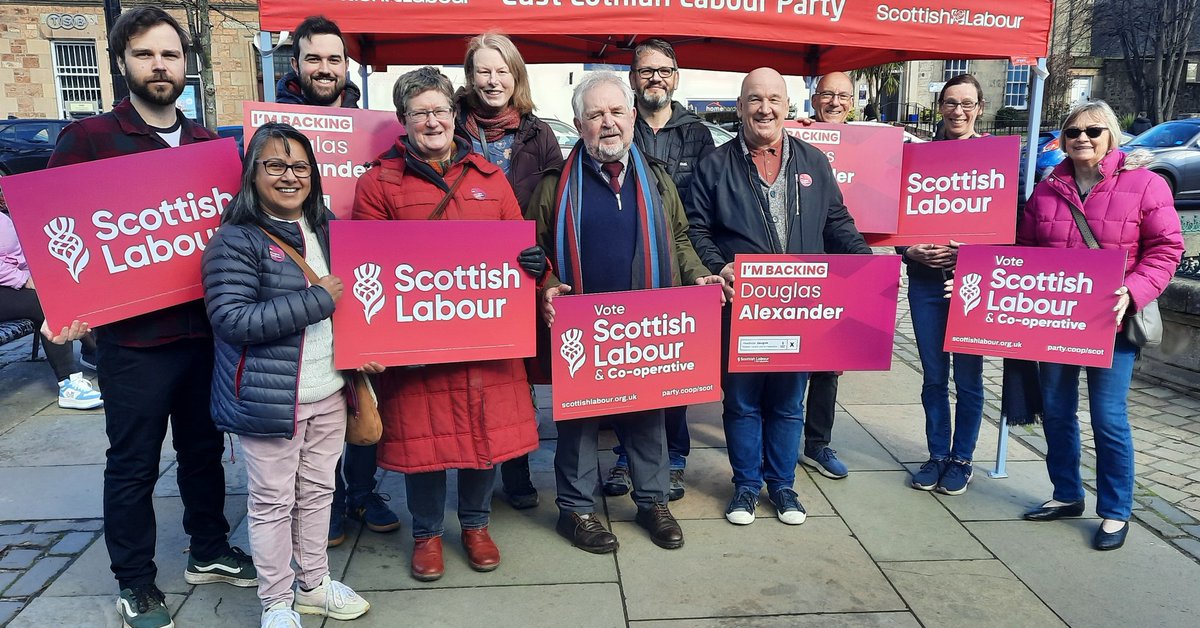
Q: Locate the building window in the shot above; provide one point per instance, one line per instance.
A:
(1192, 72)
(76, 78)
(282, 60)
(953, 68)
(1016, 86)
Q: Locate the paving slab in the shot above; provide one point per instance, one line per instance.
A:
(968, 593)
(901, 430)
(93, 611)
(1004, 499)
(895, 522)
(824, 620)
(709, 489)
(901, 385)
(1145, 583)
(54, 440)
(532, 554)
(29, 387)
(575, 605)
(218, 605)
(727, 571)
(76, 491)
(857, 448)
(90, 574)
(705, 425)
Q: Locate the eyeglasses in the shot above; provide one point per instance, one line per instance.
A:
(665, 72)
(276, 168)
(842, 96)
(441, 113)
(951, 105)
(1092, 132)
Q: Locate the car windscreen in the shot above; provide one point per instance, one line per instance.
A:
(1166, 135)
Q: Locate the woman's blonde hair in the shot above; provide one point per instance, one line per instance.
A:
(1098, 109)
(522, 98)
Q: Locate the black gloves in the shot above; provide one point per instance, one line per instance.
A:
(533, 261)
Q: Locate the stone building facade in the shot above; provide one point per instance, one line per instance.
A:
(54, 59)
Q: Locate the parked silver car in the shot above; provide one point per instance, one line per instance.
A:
(1176, 149)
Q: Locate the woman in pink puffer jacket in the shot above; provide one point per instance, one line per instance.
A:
(1127, 207)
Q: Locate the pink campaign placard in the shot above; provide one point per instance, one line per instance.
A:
(344, 140)
(1034, 303)
(620, 352)
(866, 161)
(963, 190)
(436, 291)
(813, 313)
(111, 239)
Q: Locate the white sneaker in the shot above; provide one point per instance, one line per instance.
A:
(331, 599)
(76, 393)
(280, 615)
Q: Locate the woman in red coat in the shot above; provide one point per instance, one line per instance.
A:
(468, 416)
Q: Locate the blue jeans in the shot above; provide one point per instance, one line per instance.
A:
(929, 309)
(1107, 392)
(679, 441)
(764, 418)
(427, 500)
(358, 467)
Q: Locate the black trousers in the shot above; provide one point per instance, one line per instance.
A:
(143, 389)
(819, 407)
(24, 304)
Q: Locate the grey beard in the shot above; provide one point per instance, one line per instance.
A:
(605, 155)
(652, 103)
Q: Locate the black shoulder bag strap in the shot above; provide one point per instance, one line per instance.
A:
(1086, 231)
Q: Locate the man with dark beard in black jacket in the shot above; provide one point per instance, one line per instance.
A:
(665, 131)
(319, 67)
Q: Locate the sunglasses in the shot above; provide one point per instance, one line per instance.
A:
(1092, 132)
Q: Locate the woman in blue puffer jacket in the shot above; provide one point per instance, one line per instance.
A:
(274, 383)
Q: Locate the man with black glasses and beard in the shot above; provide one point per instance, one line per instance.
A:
(157, 366)
(318, 75)
(666, 131)
(318, 78)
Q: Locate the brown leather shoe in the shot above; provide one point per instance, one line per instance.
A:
(586, 532)
(482, 552)
(664, 530)
(427, 564)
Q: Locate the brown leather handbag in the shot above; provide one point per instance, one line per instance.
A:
(364, 426)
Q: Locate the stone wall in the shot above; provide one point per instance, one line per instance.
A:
(1118, 93)
(1176, 362)
(27, 63)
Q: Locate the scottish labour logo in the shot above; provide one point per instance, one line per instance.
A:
(368, 290)
(66, 246)
(572, 350)
(969, 292)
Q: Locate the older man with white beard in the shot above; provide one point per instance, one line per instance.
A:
(664, 130)
(620, 192)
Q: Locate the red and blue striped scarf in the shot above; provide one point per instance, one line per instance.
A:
(656, 269)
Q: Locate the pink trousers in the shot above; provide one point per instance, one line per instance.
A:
(291, 492)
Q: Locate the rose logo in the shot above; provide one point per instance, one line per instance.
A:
(969, 292)
(959, 16)
(66, 246)
(572, 349)
(368, 290)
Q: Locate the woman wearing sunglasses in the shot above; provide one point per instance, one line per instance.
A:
(1126, 207)
(951, 443)
(274, 383)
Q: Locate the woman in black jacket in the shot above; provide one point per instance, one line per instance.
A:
(274, 383)
(496, 118)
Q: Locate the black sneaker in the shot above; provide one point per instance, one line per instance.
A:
(234, 567)
(144, 606)
(373, 511)
(930, 474)
(676, 491)
(956, 477)
(618, 482)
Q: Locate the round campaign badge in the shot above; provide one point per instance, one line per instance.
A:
(276, 253)
(805, 180)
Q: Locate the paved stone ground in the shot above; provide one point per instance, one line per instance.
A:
(1166, 425)
(872, 553)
